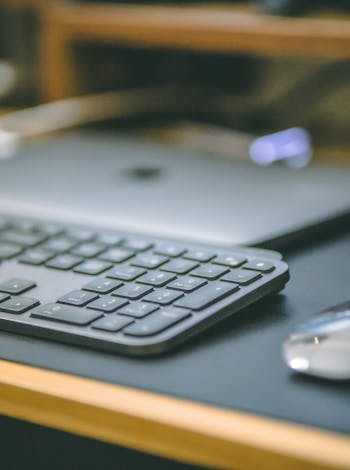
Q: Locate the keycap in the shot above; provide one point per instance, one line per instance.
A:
(88, 250)
(242, 277)
(92, 267)
(16, 286)
(3, 296)
(18, 305)
(163, 296)
(179, 266)
(59, 244)
(116, 255)
(132, 291)
(3, 223)
(210, 271)
(157, 322)
(79, 298)
(51, 229)
(24, 239)
(24, 226)
(125, 272)
(35, 257)
(102, 285)
(109, 239)
(260, 265)
(187, 283)
(138, 309)
(199, 255)
(232, 261)
(107, 304)
(64, 261)
(65, 314)
(111, 323)
(81, 235)
(8, 250)
(207, 295)
(171, 250)
(149, 261)
(156, 278)
(137, 244)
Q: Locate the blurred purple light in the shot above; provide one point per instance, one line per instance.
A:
(291, 146)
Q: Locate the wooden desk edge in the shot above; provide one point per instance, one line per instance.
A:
(166, 426)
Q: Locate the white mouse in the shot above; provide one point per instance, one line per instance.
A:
(321, 347)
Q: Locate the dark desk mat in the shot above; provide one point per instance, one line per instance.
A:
(238, 365)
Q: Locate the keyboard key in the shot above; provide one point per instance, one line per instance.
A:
(137, 309)
(92, 267)
(102, 285)
(24, 239)
(82, 235)
(50, 229)
(199, 255)
(3, 296)
(111, 323)
(207, 295)
(179, 266)
(157, 322)
(149, 261)
(259, 265)
(35, 257)
(59, 244)
(16, 286)
(163, 296)
(232, 261)
(156, 278)
(24, 226)
(125, 272)
(3, 223)
(64, 262)
(79, 298)
(65, 314)
(116, 255)
(88, 250)
(132, 291)
(107, 304)
(18, 305)
(168, 249)
(210, 271)
(242, 277)
(8, 250)
(187, 283)
(137, 244)
(109, 239)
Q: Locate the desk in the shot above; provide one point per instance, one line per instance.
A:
(226, 400)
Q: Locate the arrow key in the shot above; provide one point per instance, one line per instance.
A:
(16, 286)
(18, 305)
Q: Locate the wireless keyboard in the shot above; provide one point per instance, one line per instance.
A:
(122, 292)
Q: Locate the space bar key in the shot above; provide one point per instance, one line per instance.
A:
(65, 314)
(207, 295)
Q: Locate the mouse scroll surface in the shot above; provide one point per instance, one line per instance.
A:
(321, 346)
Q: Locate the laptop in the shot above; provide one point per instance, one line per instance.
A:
(118, 182)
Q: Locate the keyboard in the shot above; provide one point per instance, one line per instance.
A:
(123, 292)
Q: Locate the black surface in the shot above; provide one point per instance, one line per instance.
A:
(237, 365)
(29, 446)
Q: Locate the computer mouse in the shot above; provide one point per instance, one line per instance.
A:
(321, 346)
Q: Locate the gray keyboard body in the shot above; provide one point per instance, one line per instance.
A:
(123, 292)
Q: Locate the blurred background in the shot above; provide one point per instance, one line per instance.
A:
(232, 70)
